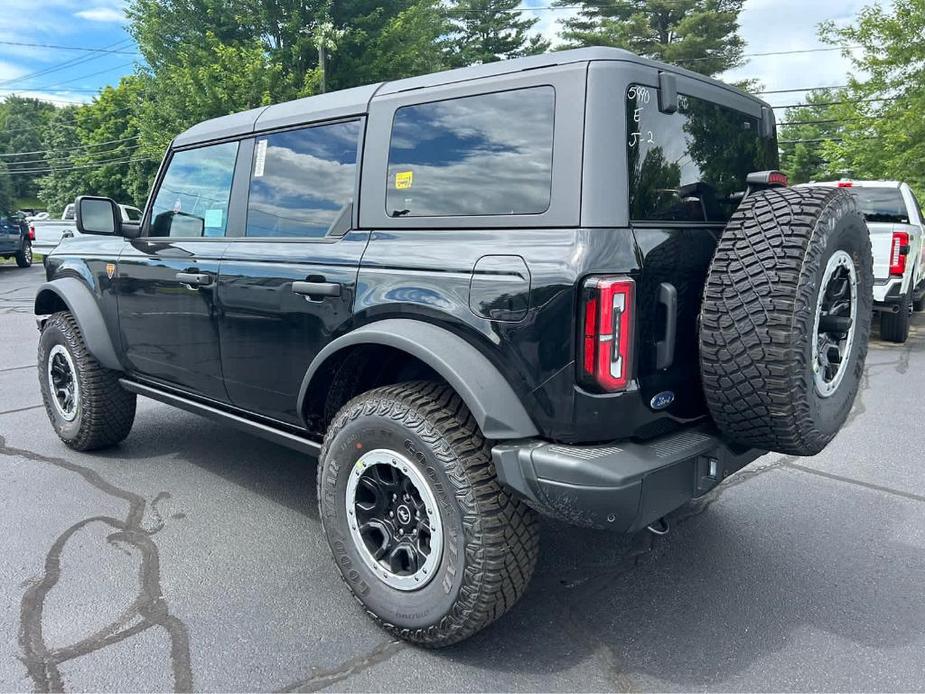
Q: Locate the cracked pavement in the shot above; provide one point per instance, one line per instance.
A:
(191, 557)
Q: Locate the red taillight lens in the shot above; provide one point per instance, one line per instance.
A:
(608, 305)
(898, 252)
(844, 184)
(32, 232)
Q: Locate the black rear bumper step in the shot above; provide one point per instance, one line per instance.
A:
(624, 486)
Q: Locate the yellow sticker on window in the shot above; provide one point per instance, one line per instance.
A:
(404, 179)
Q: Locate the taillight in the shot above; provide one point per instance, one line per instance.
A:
(32, 232)
(844, 184)
(898, 252)
(608, 305)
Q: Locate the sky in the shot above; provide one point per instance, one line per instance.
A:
(766, 25)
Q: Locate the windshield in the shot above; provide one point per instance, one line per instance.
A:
(881, 204)
(690, 165)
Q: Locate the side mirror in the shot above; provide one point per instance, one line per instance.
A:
(98, 216)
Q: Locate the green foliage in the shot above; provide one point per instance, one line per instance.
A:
(805, 133)
(484, 31)
(701, 35)
(7, 199)
(883, 132)
(21, 122)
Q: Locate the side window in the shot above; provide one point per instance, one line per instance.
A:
(489, 154)
(301, 180)
(133, 214)
(194, 193)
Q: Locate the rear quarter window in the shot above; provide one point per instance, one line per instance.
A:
(488, 154)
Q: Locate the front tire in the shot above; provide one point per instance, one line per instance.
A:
(24, 257)
(389, 455)
(84, 401)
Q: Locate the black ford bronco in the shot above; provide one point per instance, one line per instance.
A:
(570, 284)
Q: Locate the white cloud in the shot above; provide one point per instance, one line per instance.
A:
(102, 14)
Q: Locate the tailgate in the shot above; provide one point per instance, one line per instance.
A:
(881, 243)
(680, 258)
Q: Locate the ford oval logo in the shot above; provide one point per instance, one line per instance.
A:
(661, 400)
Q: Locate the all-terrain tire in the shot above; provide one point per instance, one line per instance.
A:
(104, 410)
(490, 538)
(894, 327)
(758, 318)
(24, 256)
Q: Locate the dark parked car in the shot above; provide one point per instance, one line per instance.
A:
(569, 283)
(15, 241)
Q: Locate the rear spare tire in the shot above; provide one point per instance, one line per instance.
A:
(786, 318)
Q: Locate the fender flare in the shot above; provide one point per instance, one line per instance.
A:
(86, 311)
(489, 397)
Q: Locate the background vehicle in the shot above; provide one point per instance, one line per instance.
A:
(48, 233)
(522, 302)
(895, 220)
(14, 239)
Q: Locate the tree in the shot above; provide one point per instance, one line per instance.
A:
(701, 35)
(61, 141)
(7, 203)
(806, 134)
(21, 123)
(882, 129)
(485, 31)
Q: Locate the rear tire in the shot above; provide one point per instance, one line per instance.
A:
(774, 376)
(418, 438)
(894, 327)
(24, 257)
(84, 401)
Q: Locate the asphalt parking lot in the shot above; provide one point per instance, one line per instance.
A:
(191, 557)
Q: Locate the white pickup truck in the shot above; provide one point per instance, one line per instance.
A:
(895, 220)
(47, 233)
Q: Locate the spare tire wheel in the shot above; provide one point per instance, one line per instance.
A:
(786, 318)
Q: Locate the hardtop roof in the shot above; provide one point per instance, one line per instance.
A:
(355, 101)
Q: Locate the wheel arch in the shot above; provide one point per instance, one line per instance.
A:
(493, 403)
(72, 295)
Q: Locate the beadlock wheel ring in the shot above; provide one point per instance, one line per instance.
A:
(63, 386)
(835, 323)
(394, 520)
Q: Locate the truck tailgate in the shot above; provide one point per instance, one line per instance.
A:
(881, 241)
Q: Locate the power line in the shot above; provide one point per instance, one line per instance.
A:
(71, 149)
(801, 89)
(75, 79)
(67, 48)
(97, 164)
(64, 65)
(838, 103)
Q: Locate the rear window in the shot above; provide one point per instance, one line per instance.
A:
(881, 204)
(690, 165)
(489, 154)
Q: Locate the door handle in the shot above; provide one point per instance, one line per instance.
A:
(664, 349)
(313, 289)
(195, 279)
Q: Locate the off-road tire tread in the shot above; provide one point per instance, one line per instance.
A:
(758, 303)
(502, 532)
(107, 409)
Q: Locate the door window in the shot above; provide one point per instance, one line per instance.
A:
(489, 154)
(193, 198)
(302, 180)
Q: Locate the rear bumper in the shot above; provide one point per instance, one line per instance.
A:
(624, 486)
(888, 293)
